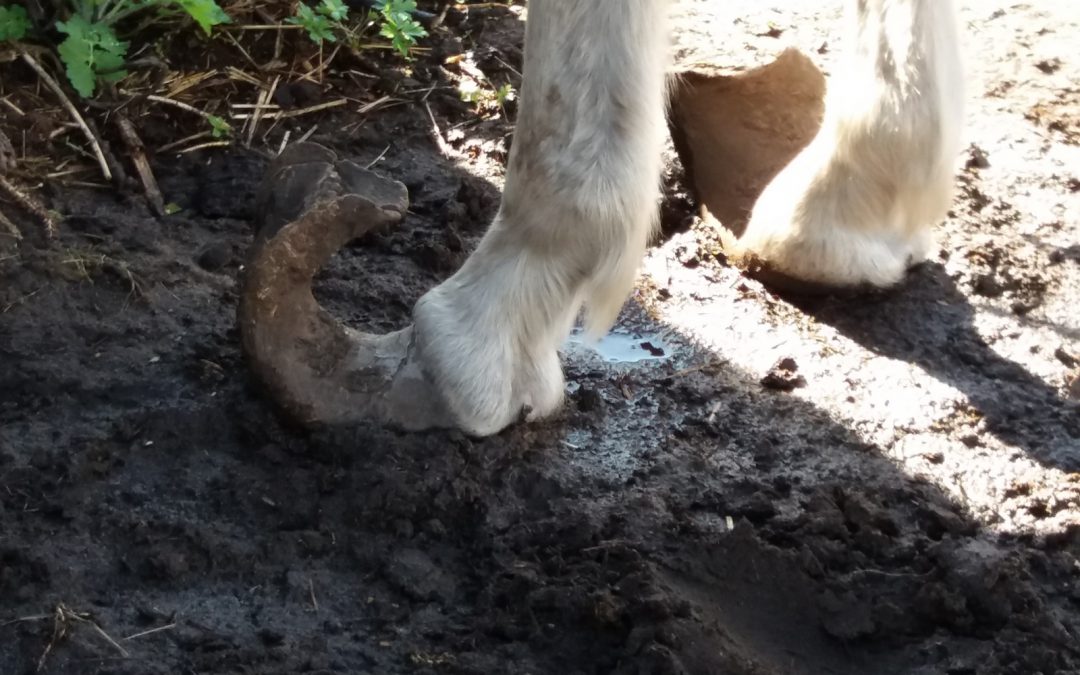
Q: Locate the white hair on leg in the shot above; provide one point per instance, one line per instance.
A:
(578, 208)
(857, 205)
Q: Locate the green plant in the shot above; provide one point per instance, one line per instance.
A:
(92, 50)
(483, 97)
(395, 17)
(206, 13)
(321, 21)
(219, 128)
(503, 94)
(14, 23)
(398, 24)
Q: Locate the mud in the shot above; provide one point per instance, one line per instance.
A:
(914, 508)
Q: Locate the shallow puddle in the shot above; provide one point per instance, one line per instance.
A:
(624, 347)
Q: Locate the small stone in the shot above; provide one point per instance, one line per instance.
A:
(214, 257)
(415, 574)
(1066, 357)
(589, 400)
(988, 286)
(784, 376)
(939, 521)
(970, 440)
(977, 158)
(271, 637)
(1049, 66)
(758, 509)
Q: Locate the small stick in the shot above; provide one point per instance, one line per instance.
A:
(30, 205)
(242, 50)
(137, 152)
(368, 107)
(108, 638)
(87, 184)
(444, 147)
(308, 133)
(14, 108)
(22, 619)
(270, 130)
(168, 626)
(7, 308)
(10, 227)
(381, 155)
(178, 104)
(311, 592)
(237, 74)
(183, 141)
(64, 128)
(51, 84)
(265, 96)
(286, 114)
(255, 106)
(204, 146)
(63, 617)
(181, 84)
(279, 43)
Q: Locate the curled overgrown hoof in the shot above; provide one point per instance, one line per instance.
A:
(734, 132)
(318, 370)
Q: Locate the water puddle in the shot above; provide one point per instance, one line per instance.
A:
(625, 347)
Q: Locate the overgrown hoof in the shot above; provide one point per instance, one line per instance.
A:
(734, 132)
(318, 370)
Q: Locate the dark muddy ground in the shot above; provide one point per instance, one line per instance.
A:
(912, 507)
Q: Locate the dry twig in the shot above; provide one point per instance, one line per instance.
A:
(285, 114)
(30, 205)
(151, 631)
(70, 107)
(137, 152)
(205, 146)
(179, 104)
(64, 618)
(265, 96)
(444, 147)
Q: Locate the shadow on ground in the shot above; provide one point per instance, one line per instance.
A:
(930, 322)
(677, 518)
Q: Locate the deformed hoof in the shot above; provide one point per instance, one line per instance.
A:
(310, 205)
(734, 133)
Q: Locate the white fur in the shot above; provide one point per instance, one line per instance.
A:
(857, 205)
(582, 189)
(578, 208)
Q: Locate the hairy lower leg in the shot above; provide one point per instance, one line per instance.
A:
(577, 211)
(856, 206)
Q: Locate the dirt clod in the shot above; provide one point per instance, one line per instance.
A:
(784, 376)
